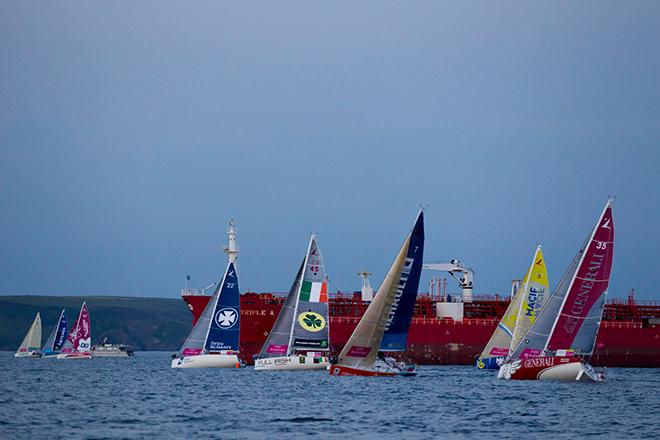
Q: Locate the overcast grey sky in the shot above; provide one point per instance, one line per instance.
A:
(131, 132)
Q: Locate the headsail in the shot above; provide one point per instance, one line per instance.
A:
(363, 345)
(398, 322)
(310, 326)
(223, 333)
(197, 340)
(537, 337)
(32, 340)
(536, 292)
(80, 337)
(277, 343)
(57, 337)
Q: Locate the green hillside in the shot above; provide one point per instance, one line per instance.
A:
(144, 323)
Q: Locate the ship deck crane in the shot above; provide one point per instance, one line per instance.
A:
(458, 271)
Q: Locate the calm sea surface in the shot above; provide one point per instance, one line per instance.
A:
(142, 398)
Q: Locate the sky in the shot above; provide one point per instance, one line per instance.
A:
(131, 132)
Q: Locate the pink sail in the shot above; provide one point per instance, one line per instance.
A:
(589, 285)
(80, 337)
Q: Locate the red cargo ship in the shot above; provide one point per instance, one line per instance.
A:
(629, 335)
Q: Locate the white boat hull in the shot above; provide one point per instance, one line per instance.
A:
(207, 361)
(28, 354)
(74, 356)
(285, 363)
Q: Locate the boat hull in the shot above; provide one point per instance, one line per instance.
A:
(207, 361)
(50, 356)
(27, 354)
(288, 363)
(342, 370)
(563, 368)
(74, 356)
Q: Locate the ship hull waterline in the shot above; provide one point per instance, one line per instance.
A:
(291, 363)
(207, 361)
(560, 368)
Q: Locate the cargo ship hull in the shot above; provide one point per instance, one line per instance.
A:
(434, 341)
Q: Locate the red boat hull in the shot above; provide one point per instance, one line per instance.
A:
(566, 368)
(341, 370)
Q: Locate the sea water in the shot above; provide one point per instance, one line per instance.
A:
(143, 398)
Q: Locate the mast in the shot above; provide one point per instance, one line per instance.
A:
(575, 274)
(231, 249)
(295, 308)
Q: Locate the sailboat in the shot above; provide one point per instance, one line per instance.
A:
(523, 309)
(565, 331)
(32, 340)
(385, 324)
(214, 340)
(299, 339)
(79, 342)
(55, 341)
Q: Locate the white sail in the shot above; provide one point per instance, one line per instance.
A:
(361, 349)
(32, 340)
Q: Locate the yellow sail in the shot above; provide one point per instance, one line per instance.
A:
(535, 294)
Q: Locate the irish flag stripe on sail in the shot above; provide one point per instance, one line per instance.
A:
(313, 291)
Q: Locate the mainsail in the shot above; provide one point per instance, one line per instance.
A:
(56, 339)
(523, 309)
(80, 336)
(219, 324)
(537, 339)
(32, 340)
(277, 343)
(362, 347)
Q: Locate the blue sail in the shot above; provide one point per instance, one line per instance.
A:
(225, 321)
(398, 323)
(57, 337)
(62, 333)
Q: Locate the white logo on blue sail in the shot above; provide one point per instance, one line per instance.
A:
(226, 318)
